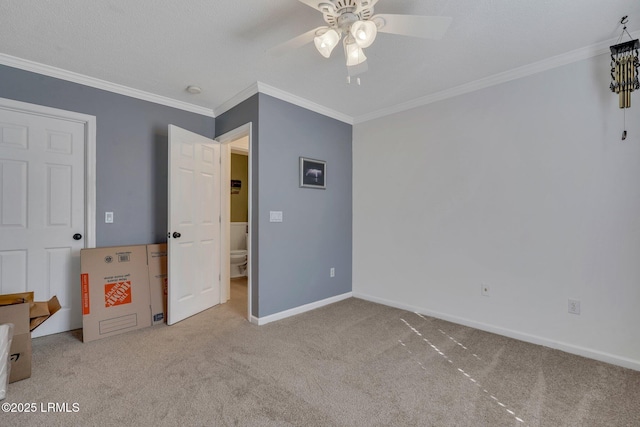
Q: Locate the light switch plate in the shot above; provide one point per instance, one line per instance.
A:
(275, 216)
(108, 217)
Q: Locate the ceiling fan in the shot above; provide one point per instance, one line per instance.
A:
(355, 20)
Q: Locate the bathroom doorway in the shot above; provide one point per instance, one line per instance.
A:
(236, 233)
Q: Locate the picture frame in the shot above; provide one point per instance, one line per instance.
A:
(313, 173)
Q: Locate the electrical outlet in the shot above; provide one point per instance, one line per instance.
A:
(485, 290)
(574, 306)
(332, 272)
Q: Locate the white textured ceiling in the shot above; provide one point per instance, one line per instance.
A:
(161, 46)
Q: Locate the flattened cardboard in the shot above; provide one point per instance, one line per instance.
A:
(20, 350)
(157, 262)
(115, 291)
(38, 309)
(41, 311)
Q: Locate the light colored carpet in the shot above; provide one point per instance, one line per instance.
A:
(353, 363)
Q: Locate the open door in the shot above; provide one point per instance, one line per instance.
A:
(193, 242)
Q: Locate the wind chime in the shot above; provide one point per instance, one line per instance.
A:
(624, 70)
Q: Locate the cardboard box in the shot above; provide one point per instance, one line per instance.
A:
(115, 291)
(26, 315)
(41, 311)
(20, 350)
(157, 263)
(19, 298)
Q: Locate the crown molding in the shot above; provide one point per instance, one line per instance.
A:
(266, 89)
(70, 76)
(496, 79)
(236, 99)
(304, 103)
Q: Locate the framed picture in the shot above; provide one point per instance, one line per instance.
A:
(313, 173)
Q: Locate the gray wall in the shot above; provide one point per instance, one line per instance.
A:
(295, 255)
(131, 154)
(315, 235)
(131, 151)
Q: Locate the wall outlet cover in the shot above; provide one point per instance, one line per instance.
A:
(574, 306)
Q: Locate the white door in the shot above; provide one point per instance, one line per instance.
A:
(194, 224)
(42, 202)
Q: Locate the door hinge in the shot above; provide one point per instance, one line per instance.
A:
(220, 219)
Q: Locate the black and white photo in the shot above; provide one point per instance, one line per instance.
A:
(313, 173)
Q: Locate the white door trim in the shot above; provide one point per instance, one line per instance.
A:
(239, 132)
(89, 153)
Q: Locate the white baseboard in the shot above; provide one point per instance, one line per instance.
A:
(534, 339)
(298, 310)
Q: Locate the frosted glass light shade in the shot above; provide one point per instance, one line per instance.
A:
(353, 52)
(326, 42)
(364, 32)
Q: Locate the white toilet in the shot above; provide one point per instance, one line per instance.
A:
(239, 261)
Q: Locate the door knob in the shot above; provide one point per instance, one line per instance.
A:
(77, 236)
(176, 235)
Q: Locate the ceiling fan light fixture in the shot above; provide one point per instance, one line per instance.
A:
(364, 33)
(326, 42)
(353, 53)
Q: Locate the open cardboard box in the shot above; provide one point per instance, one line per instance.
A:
(26, 315)
(39, 311)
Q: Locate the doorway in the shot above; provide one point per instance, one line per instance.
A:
(235, 141)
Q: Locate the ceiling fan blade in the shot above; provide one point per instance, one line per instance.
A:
(294, 43)
(427, 27)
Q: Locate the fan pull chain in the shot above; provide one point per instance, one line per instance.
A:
(349, 80)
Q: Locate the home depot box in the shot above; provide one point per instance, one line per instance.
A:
(157, 263)
(115, 291)
(26, 315)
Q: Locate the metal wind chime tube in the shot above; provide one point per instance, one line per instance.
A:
(624, 67)
(624, 71)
